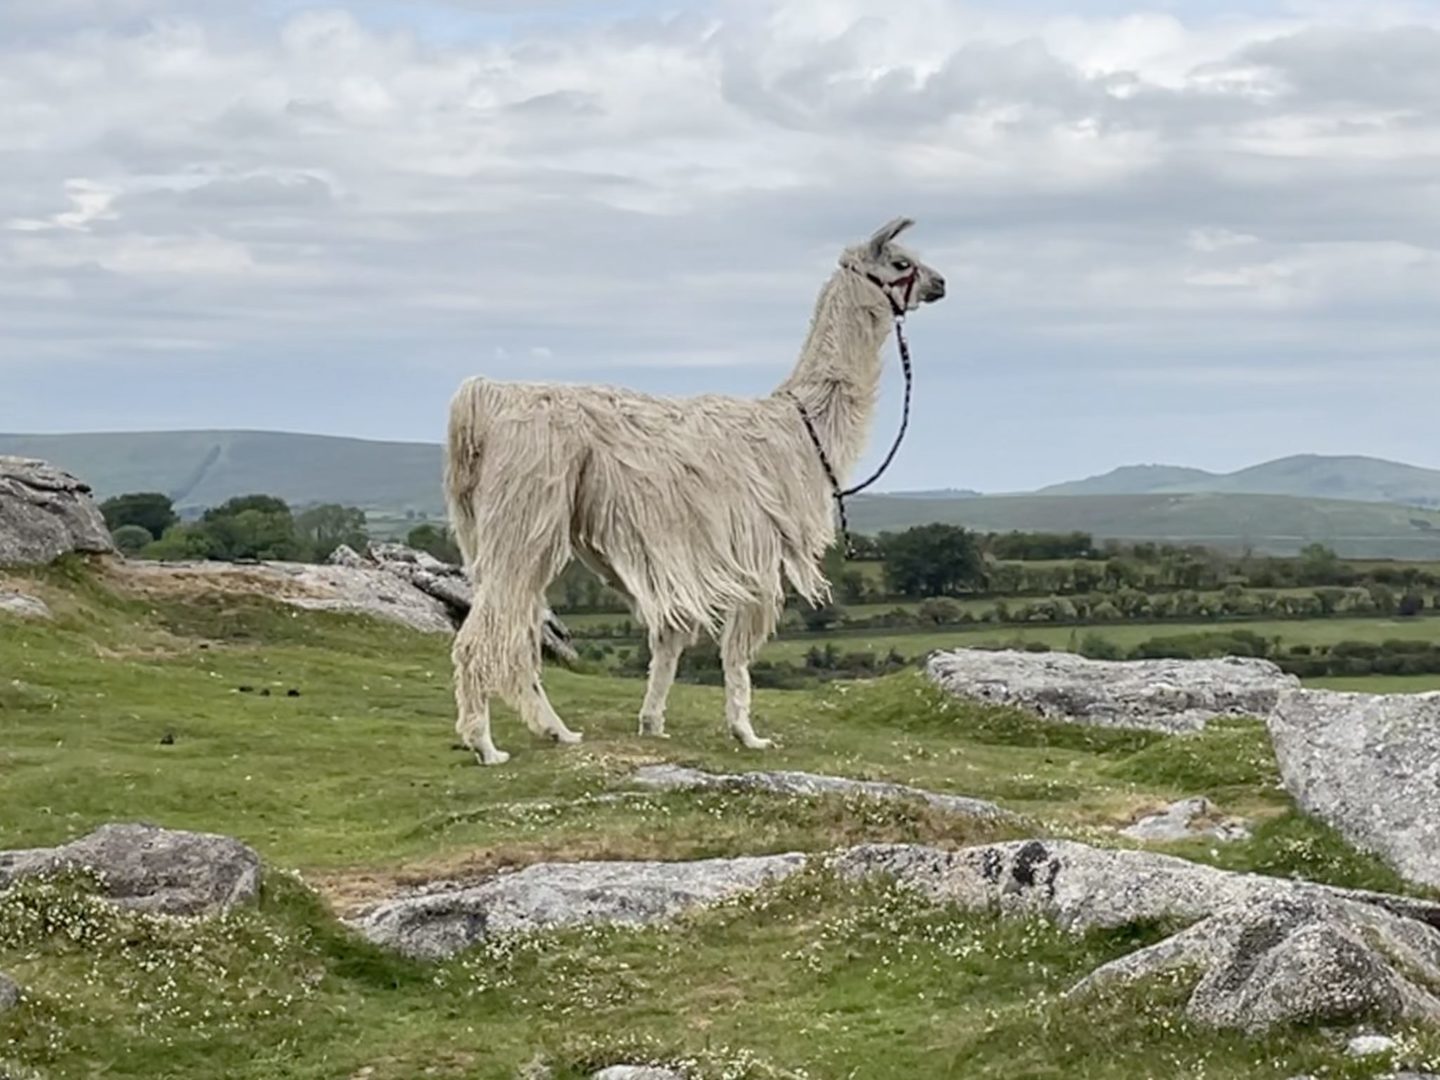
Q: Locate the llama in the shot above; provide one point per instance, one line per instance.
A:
(698, 510)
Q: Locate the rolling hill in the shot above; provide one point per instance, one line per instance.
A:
(1132, 480)
(204, 468)
(1278, 506)
(1363, 479)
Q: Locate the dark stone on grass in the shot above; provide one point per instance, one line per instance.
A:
(677, 778)
(292, 693)
(1369, 766)
(168, 739)
(1170, 696)
(150, 869)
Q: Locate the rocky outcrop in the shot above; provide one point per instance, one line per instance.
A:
(677, 778)
(345, 589)
(1074, 885)
(150, 869)
(1080, 887)
(1369, 766)
(445, 584)
(637, 1072)
(1172, 696)
(1188, 819)
(1301, 959)
(21, 606)
(9, 993)
(45, 513)
(552, 896)
(350, 583)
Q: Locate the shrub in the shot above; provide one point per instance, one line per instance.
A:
(131, 539)
(1202, 646)
(1095, 647)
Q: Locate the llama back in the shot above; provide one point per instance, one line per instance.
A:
(700, 507)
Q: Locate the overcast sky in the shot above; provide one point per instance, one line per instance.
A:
(1196, 233)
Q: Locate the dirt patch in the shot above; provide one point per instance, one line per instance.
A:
(350, 891)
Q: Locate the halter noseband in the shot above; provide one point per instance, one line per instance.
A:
(898, 309)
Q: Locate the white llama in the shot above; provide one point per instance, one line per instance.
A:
(698, 510)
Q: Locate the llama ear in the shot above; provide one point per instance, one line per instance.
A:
(888, 232)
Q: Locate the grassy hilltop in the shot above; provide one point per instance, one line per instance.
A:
(129, 706)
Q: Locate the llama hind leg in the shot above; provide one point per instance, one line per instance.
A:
(540, 716)
(745, 632)
(472, 694)
(666, 645)
(497, 651)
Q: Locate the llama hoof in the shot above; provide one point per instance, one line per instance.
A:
(754, 742)
(494, 757)
(568, 738)
(652, 729)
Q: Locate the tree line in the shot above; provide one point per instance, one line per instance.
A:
(1034, 577)
(146, 524)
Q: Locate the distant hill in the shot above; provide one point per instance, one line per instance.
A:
(1133, 480)
(1275, 524)
(204, 468)
(1316, 476)
(942, 493)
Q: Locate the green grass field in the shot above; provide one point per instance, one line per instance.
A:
(353, 785)
(917, 643)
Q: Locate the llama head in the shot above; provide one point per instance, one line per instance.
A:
(901, 276)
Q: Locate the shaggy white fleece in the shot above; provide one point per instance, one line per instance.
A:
(698, 510)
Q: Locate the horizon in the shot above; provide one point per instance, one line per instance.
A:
(1173, 231)
(888, 491)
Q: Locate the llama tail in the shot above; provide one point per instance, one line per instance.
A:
(464, 454)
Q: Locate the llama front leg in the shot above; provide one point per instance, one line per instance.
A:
(665, 648)
(745, 632)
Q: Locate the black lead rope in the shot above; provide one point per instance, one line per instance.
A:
(842, 495)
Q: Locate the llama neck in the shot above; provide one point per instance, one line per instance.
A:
(837, 377)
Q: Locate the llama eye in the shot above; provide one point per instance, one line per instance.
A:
(901, 264)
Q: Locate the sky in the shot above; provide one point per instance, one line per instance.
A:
(1194, 233)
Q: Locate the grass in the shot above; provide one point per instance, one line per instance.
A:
(1379, 684)
(1289, 631)
(352, 785)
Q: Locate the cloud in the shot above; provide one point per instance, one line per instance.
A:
(192, 186)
